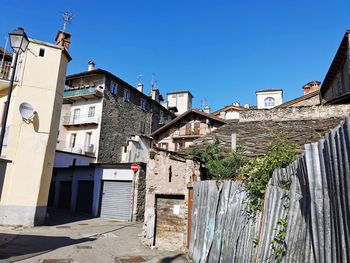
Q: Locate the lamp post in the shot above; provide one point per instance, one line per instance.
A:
(19, 43)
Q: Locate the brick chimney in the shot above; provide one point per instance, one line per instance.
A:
(63, 39)
(311, 87)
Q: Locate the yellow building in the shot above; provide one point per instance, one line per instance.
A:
(30, 145)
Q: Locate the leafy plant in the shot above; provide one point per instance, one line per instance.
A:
(214, 165)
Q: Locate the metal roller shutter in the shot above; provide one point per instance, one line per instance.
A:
(116, 199)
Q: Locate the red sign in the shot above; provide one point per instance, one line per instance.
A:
(134, 167)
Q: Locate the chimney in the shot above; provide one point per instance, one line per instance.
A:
(140, 87)
(155, 94)
(311, 87)
(207, 109)
(63, 39)
(91, 65)
(246, 106)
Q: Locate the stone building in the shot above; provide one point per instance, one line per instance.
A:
(168, 208)
(101, 112)
(335, 87)
(183, 130)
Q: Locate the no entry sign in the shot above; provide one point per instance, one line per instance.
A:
(134, 167)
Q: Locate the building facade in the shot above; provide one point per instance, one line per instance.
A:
(269, 98)
(27, 180)
(101, 112)
(183, 130)
(180, 101)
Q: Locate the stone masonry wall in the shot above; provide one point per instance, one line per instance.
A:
(141, 195)
(168, 175)
(296, 113)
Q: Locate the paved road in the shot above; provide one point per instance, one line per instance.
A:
(85, 240)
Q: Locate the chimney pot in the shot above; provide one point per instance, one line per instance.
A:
(140, 87)
(91, 65)
(63, 39)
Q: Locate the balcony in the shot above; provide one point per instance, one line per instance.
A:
(188, 133)
(5, 70)
(72, 94)
(88, 150)
(71, 120)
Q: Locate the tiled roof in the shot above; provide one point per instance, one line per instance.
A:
(254, 137)
(299, 99)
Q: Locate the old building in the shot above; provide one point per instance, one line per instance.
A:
(101, 111)
(179, 101)
(183, 130)
(230, 112)
(30, 144)
(269, 98)
(168, 210)
(311, 96)
(335, 87)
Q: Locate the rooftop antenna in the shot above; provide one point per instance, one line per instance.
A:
(67, 18)
(154, 81)
(139, 78)
(204, 102)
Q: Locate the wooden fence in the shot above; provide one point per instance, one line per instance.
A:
(315, 208)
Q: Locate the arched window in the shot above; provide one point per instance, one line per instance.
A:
(269, 102)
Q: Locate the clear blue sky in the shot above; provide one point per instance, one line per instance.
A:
(219, 50)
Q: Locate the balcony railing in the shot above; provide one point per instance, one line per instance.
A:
(74, 94)
(5, 70)
(80, 120)
(88, 150)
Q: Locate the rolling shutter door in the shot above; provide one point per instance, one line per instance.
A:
(116, 199)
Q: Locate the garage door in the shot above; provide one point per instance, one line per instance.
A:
(116, 199)
(65, 194)
(170, 222)
(85, 196)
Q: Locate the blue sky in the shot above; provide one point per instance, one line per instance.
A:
(222, 51)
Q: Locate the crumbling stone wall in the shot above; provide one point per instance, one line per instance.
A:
(296, 113)
(141, 194)
(168, 175)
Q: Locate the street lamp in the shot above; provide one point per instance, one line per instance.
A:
(19, 43)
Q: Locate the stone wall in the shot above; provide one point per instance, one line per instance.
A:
(120, 119)
(141, 194)
(168, 176)
(296, 113)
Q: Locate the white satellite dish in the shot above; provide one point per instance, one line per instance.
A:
(26, 110)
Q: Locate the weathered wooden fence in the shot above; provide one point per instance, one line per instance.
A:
(316, 208)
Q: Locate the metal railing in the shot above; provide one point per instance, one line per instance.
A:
(80, 149)
(5, 70)
(72, 92)
(80, 119)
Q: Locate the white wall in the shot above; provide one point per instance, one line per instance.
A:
(262, 95)
(183, 101)
(66, 132)
(64, 160)
(137, 150)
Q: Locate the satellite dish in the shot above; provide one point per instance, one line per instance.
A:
(26, 110)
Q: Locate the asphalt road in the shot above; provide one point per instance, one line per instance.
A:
(78, 239)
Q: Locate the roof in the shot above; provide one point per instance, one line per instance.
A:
(312, 82)
(180, 91)
(182, 116)
(299, 99)
(229, 107)
(255, 136)
(268, 90)
(336, 65)
(8, 55)
(105, 72)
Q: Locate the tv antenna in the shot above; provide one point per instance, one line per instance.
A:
(139, 78)
(67, 18)
(154, 81)
(204, 103)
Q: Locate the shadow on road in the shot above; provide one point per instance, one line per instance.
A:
(57, 217)
(177, 258)
(18, 247)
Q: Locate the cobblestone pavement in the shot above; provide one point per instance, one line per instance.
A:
(85, 240)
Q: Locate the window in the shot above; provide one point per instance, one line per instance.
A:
(161, 117)
(126, 95)
(113, 88)
(76, 115)
(164, 145)
(91, 111)
(87, 139)
(143, 104)
(73, 139)
(269, 102)
(142, 127)
(179, 146)
(41, 52)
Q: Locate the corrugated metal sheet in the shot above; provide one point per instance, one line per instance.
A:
(316, 206)
(116, 199)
